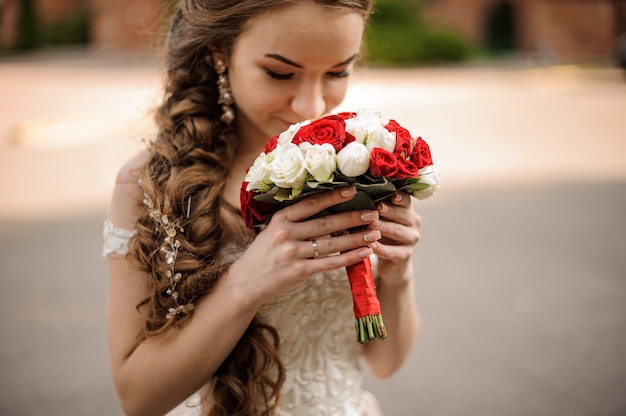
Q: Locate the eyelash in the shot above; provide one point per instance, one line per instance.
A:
(277, 76)
(285, 77)
(342, 74)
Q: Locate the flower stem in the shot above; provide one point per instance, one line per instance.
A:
(369, 321)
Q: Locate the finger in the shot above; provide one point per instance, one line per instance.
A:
(314, 204)
(399, 234)
(323, 226)
(393, 253)
(401, 199)
(309, 267)
(404, 215)
(338, 244)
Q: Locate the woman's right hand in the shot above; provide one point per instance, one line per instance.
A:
(283, 255)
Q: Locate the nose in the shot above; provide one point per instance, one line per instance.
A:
(308, 101)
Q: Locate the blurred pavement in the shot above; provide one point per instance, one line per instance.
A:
(521, 267)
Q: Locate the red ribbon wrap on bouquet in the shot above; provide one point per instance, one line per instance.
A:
(369, 321)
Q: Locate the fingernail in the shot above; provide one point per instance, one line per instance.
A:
(366, 252)
(397, 198)
(371, 236)
(347, 192)
(369, 216)
(384, 208)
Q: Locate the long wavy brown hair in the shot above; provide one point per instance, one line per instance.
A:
(186, 173)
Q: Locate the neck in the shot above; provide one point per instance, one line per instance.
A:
(244, 158)
(250, 139)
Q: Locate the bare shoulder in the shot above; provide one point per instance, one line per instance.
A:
(129, 173)
(126, 204)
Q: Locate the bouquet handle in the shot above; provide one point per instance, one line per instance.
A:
(369, 321)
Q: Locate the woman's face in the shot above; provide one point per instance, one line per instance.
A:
(291, 65)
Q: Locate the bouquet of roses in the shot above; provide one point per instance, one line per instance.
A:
(347, 149)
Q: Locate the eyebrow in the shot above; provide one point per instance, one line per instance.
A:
(287, 61)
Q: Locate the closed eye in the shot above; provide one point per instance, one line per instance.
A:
(341, 74)
(277, 75)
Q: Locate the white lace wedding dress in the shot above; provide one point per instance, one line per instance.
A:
(318, 346)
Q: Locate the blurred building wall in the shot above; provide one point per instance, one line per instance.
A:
(46, 12)
(546, 29)
(114, 24)
(8, 23)
(127, 24)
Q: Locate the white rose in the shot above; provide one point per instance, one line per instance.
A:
(363, 123)
(287, 169)
(381, 137)
(287, 135)
(258, 176)
(430, 176)
(354, 159)
(320, 160)
(357, 128)
(368, 112)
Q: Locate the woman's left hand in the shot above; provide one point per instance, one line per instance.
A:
(400, 229)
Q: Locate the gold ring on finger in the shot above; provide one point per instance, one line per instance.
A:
(316, 249)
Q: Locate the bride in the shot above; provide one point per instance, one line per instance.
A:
(204, 316)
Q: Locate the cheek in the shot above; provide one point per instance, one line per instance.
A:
(252, 88)
(251, 96)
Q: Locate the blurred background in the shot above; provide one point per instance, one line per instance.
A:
(522, 264)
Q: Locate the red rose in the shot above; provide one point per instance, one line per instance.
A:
(271, 145)
(329, 129)
(421, 154)
(346, 115)
(383, 163)
(406, 169)
(254, 212)
(403, 138)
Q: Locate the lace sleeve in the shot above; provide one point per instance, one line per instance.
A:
(115, 239)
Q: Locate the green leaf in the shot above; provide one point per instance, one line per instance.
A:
(414, 187)
(362, 200)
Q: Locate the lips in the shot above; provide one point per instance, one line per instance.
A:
(286, 123)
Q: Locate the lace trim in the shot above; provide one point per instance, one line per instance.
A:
(115, 239)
